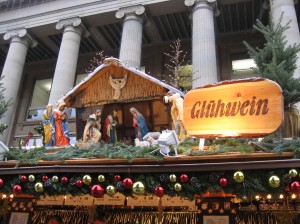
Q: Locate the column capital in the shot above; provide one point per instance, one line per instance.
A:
(73, 23)
(137, 10)
(209, 4)
(20, 34)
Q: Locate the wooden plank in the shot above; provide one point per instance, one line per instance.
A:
(238, 108)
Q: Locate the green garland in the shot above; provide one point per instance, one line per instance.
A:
(255, 182)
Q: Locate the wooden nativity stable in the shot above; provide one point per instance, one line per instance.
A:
(116, 86)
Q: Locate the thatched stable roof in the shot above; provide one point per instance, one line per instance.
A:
(96, 88)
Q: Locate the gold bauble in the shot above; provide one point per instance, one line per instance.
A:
(54, 179)
(101, 178)
(87, 180)
(274, 181)
(173, 178)
(238, 177)
(110, 190)
(39, 187)
(31, 178)
(177, 187)
(293, 173)
(138, 188)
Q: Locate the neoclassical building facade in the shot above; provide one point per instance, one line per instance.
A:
(48, 45)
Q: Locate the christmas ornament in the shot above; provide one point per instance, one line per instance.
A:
(17, 189)
(101, 178)
(110, 190)
(238, 177)
(97, 191)
(127, 183)
(159, 191)
(120, 186)
(287, 179)
(72, 181)
(45, 178)
(23, 178)
(164, 178)
(38, 187)
(274, 181)
(117, 178)
(48, 183)
(138, 188)
(87, 180)
(223, 182)
(64, 180)
(54, 179)
(177, 187)
(31, 178)
(1, 183)
(213, 178)
(172, 178)
(184, 178)
(79, 183)
(293, 173)
(295, 187)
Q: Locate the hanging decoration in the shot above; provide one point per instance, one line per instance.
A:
(159, 184)
(39, 187)
(173, 178)
(238, 177)
(110, 190)
(87, 180)
(101, 178)
(138, 188)
(97, 191)
(274, 181)
(23, 178)
(54, 179)
(31, 178)
(293, 173)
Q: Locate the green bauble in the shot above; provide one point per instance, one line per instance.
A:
(177, 187)
(110, 190)
(101, 178)
(54, 179)
(238, 177)
(138, 188)
(87, 180)
(31, 178)
(293, 173)
(39, 187)
(274, 181)
(173, 178)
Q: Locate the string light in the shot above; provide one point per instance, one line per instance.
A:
(281, 196)
(294, 196)
(269, 196)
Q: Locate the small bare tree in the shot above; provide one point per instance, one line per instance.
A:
(95, 62)
(175, 65)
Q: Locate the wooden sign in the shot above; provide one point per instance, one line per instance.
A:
(82, 200)
(50, 200)
(237, 108)
(143, 200)
(176, 201)
(117, 199)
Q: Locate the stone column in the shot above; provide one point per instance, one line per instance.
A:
(65, 70)
(12, 74)
(131, 43)
(203, 43)
(289, 14)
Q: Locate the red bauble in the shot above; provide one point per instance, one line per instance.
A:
(1, 183)
(97, 191)
(159, 191)
(295, 187)
(23, 178)
(64, 180)
(127, 183)
(17, 189)
(45, 178)
(184, 178)
(79, 183)
(223, 182)
(117, 178)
